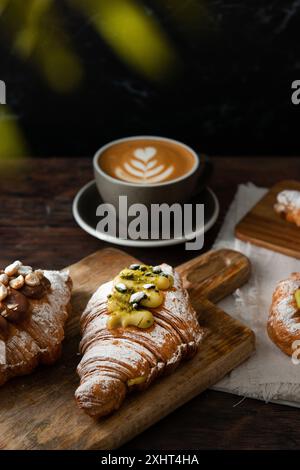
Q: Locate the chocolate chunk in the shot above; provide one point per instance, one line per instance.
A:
(3, 326)
(46, 283)
(36, 292)
(16, 306)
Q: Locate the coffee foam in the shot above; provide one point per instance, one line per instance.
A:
(146, 161)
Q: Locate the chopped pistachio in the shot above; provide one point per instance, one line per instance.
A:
(137, 297)
(136, 288)
(128, 276)
(120, 287)
(157, 269)
(134, 266)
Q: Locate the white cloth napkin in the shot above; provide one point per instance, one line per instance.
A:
(269, 374)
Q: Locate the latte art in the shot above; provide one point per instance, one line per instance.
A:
(146, 161)
(142, 167)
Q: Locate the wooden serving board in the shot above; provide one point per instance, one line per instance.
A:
(263, 227)
(39, 411)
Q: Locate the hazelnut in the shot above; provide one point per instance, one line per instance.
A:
(12, 269)
(17, 283)
(39, 273)
(4, 279)
(32, 280)
(3, 292)
(24, 270)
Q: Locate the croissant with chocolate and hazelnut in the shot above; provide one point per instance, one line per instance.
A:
(135, 328)
(34, 307)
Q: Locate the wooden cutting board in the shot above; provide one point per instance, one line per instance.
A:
(263, 227)
(39, 411)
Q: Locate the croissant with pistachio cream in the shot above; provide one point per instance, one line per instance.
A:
(135, 328)
(34, 307)
(283, 323)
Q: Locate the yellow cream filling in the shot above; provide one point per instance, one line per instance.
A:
(297, 297)
(136, 381)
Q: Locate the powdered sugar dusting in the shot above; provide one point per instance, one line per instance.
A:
(50, 316)
(131, 352)
(2, 352)
(285, 308)
(30, 339)
(289, 198)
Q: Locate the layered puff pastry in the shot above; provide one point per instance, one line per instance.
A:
(288, 205)
(34, 306)
(134, 329)
(284, 317)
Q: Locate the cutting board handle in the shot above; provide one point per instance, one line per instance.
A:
(215, 274)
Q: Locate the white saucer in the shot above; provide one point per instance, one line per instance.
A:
(88, 199)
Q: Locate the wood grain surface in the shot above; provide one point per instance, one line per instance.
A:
(39, 411)
(264, 227)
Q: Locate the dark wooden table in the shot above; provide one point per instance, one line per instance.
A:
(37, 226)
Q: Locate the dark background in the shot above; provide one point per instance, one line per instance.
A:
(226, 90)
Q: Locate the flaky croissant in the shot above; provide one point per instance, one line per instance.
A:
(116, 361)
(284, 317)
(32, 317)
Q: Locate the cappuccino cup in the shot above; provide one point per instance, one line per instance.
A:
(148, 170)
